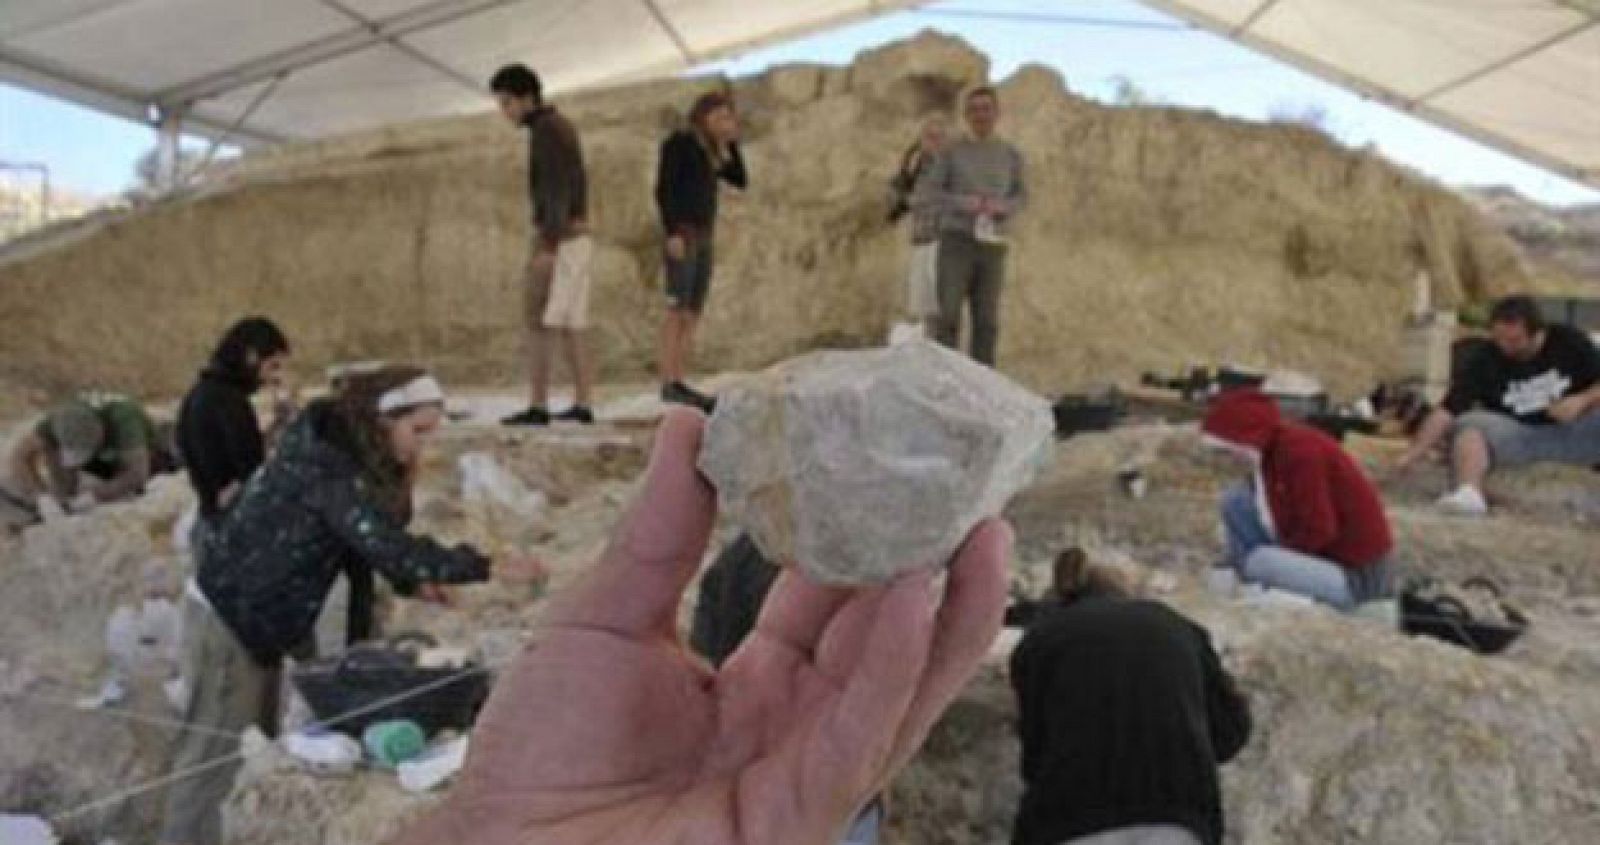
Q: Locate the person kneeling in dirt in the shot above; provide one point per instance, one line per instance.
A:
(91, 449)
(1124, 713)
(337, 490)
(1309, 521)
(1532, 395)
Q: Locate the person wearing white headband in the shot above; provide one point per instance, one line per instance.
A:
(334, 497)
(420, 391)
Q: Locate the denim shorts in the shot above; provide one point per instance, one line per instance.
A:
(689, 280)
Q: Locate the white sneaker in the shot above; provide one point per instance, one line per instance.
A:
(1464, 501)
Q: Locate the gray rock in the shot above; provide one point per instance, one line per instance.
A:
(861, 465)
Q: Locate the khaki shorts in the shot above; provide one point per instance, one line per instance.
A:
(556, 287)
(922, 281)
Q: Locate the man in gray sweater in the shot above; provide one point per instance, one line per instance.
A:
(976, 185)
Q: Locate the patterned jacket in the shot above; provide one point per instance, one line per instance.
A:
(306, 516)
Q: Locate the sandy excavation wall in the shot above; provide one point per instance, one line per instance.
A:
(1155, 236)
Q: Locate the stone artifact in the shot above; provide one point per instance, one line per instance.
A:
(861, 465)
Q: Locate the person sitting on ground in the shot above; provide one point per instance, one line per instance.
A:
(1532, 396)
(1124, 714)
(219, 436)
(336, 488)
(91, 449)
(1309, 521)
(611, 731)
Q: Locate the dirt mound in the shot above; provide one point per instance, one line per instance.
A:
(1155, 236)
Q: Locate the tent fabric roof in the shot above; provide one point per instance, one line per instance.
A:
(291, 69)
(1521, 75)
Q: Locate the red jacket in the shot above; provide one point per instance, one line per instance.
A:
(1322, 503)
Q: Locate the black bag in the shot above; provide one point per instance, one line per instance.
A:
(1076, 413)
(349, 691)
(1427, 607)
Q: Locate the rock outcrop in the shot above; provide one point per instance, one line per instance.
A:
(1155, 236)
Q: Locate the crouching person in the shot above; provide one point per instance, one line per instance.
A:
(1125, 713)
(1309, 521)
(334, 495)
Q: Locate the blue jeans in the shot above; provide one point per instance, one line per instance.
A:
(1258, 560)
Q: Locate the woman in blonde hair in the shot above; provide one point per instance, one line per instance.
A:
(335, 496)
(922, 296)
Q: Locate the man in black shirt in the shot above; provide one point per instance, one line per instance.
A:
(1532, 396)
(693, 163)
(1125, 713)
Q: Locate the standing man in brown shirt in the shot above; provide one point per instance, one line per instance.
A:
(557, 280)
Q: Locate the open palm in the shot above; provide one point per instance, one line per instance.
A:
(610, 731)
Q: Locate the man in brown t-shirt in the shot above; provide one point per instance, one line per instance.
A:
(558, 273)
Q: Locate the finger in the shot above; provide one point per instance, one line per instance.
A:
(857, 736)
(798, 610)
(638, 583)
(968, 621)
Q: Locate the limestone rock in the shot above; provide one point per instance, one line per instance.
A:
(859, 465)
(1178, 228)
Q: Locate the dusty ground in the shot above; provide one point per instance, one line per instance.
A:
(1363, 734)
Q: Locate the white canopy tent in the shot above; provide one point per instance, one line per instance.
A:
(268, 70)
(1522, 75)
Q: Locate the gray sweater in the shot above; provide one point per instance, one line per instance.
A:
(989, 168)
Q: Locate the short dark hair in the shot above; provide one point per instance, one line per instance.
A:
(518, 81)
(1518, 309)
(707, 103)
(252, 334)
(1075, 577)
(983, 91)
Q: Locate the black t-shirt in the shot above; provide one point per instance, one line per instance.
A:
(1568, 363)
(1124, 712)
(219, 436)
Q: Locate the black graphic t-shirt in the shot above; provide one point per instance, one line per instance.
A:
(1568, 363)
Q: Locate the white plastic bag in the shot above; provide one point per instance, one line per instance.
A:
(434, 767)
(905, 333)
(324, 753)
(485, 481)
(25, 830)
(144, 641)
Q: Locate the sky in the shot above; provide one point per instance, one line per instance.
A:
(1094, 44)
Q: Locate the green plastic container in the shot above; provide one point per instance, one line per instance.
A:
(393, 742)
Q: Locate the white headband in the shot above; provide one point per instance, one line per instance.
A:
(423, 390)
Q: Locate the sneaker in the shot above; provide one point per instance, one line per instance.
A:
(577, 414)
(1464, 501)
(679, 393)
(534, 415)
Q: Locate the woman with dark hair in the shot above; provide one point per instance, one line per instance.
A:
(335, 495)
(218, 435)
(694, 161)
(1125, 713)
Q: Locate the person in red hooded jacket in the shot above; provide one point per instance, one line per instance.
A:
(1310, 521)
